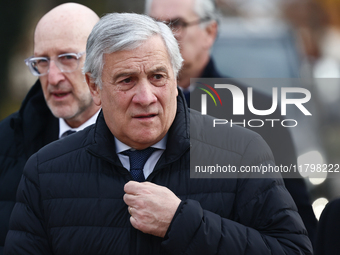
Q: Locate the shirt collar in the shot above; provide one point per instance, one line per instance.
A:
(120, 147)
(188, 89)
(63, 126)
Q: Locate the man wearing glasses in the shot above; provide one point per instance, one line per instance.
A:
(195, 42)
(194, 24)
(58, 104)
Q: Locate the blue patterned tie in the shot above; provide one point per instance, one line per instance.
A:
(137, 161)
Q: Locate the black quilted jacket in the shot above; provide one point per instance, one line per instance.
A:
(70, 198)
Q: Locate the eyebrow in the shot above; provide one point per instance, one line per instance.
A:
(159, 69)
(117, 76)
(59, 52)
(127, 74)
(169, 20)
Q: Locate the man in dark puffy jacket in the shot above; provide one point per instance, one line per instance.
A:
(60, 100)
(87, 194)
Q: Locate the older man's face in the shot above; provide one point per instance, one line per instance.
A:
(66, 94)
(139, 93)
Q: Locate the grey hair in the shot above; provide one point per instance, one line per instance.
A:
(206, 9)
(125, 31)
(203, 9)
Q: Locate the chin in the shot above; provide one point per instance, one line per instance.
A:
(62, 113)
(144, 140)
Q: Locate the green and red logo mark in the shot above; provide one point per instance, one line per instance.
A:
(204, 97)
(209, 93)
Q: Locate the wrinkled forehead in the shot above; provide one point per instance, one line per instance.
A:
(64, 28)
(59, 35)
(58, 43)
(147, 56)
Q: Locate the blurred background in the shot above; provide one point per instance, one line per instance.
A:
(293, 42)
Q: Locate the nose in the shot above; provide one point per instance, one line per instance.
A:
(144, 95)
(54, 74)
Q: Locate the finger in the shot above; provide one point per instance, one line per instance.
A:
(134, 222)
(137, 224)
(132, 187)
(129, 199)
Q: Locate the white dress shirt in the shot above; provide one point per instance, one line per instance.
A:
(63, 127)
(152, 160)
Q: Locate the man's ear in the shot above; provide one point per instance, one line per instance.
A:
(94, 89)
(211, 31)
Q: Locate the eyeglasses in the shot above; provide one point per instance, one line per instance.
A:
(178, 25)
(67, 63)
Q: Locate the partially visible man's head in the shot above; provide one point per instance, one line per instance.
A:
(131, 67)
(64, 30)
(195, 27)
(202, 8)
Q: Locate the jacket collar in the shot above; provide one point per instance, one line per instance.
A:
(103, 142)
(35, 125)
(210, 70)
(178, 135)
